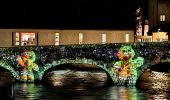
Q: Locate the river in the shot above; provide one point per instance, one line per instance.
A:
(30, 91)
(153, 86)
(25, 91)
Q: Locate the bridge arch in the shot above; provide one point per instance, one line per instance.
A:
(157, 64)
(161, 67)
(10, 69)
(6, 77)
(155, 77)
(99, 64)
(154, 64)
(94, 72)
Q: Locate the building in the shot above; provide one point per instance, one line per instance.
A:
(62, 22)
(154, 17)
(159, 19)
(41, 37)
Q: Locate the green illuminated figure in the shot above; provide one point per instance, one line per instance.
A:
(126, 68)
(27, 66)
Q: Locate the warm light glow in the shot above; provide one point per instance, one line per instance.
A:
(27, 66)
(127, 37)
(80, 38)
(27, 38)
(160, 36)
(162, 17)
(103, 38)
(57, 38)
(146, 28)
(17, 37)
(126, 68)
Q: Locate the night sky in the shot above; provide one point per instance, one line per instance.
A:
(69, 14)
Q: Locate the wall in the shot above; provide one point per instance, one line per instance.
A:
(94, 36)
(68, 37)
(47, 37)
(119, 36)
(5, 38)
(152, 13)
(163, 8)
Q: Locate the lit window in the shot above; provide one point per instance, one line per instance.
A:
(146, 28)
(17, 38)
(103, 38)
(25, 39)
(80, 38)
(126, 37)
(57, 39)
(162, 17)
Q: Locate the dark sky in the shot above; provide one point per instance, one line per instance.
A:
(86, 14)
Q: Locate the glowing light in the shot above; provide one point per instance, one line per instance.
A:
(27, 66)
(126, 67)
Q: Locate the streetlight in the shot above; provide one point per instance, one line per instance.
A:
(159, 30)
(158, 35)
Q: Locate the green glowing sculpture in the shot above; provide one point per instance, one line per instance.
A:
(27, 66)
(126, 68)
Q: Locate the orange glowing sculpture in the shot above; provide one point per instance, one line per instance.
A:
(27, 66)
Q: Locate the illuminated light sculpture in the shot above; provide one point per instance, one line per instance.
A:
(126, 68)
(27, 66)
(138, 21)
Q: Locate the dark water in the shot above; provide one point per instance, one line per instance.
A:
(31, 91)
(152, 86)
(24, 91)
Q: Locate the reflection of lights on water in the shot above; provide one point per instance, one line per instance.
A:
(57, 83)
(159, 75)
(125, 93)
(62, 78)
(160, 80)
(159, 96)
(156, 85)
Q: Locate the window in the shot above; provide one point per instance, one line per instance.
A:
(57, 39)
(24, 39)
(80, 38)
(17, 38)
(126, 37)
(162, 17)
(146, 28)
(103, 38)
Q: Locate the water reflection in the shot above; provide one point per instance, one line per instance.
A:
(152, 86)
(156, 85)
(24, 91)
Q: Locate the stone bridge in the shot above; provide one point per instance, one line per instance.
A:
(123, 62)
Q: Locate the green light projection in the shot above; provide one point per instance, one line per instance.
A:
(27, 66)
(126, 68)
(123, 62)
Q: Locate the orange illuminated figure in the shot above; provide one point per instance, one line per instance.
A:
(27, 66)
(126, 67)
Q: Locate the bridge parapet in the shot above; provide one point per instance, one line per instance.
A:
(38, 59)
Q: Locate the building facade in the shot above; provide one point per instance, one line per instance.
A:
(157, 25)
(159, 16)
(40, 37)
